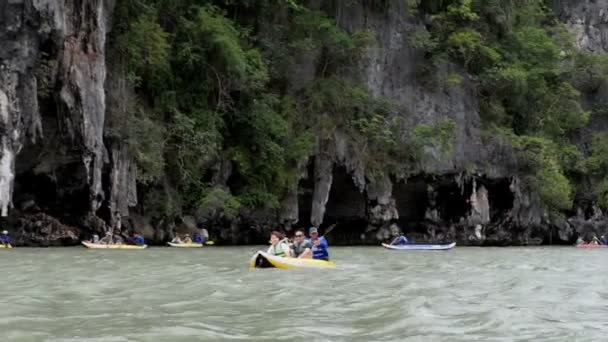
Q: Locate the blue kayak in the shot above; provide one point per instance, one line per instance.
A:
(413, 247)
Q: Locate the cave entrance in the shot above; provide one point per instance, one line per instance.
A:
(500, 197)
(411, 201)
(452, 200)
(306, 188)
(346, 208)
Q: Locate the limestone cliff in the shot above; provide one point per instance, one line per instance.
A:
(60, 164)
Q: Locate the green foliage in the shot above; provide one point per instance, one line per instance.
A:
(597, 162)
(146, 140)
(530, 82)
(439, 136)
(212, 88)
(217, 202)
(539, 162)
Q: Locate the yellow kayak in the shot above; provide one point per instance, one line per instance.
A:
(264, 260)
(6, 246)
(91, 245)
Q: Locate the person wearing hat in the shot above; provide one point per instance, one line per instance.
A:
(5, 239)
(319, 245)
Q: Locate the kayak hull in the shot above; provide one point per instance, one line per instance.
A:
(185, 245)
(264, 260)
(6, 246)
(588, 245)
(413, 247)
(91, 245)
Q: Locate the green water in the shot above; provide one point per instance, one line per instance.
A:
(209, 294)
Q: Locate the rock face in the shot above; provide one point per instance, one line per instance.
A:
(62, 167)
(52, 106)
(588, 21)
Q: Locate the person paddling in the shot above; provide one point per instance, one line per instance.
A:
(198, 238)
(278, 246)
(107, 240)
(400, 240)
(5, 239)
(319, 245)
(138, 240)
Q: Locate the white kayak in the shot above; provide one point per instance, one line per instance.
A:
(413, 247)
(91, 245)
(185, 245)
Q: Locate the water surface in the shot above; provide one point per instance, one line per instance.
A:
(209, 294)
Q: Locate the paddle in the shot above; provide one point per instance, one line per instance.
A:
(330, 229)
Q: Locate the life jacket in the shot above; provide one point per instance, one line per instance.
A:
(278, 249)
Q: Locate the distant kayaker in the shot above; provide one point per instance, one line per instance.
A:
(595, 240)
(118, 240)
(603, 240)
(302, 248)
(95, 238)
(138, 240)
(187, 239)
(580, 241)
(198, 238)
(107, 240)
(176, 239)
(400, 240)
(319, 245)
(5, 239)
(278, 246)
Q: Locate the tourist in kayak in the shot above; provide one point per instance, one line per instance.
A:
(187, 239)
(595, 240)
(400, 240)
(107, 240)
(302, 248)
(198, 238)
(176, 239)
(278, 246)
(319, 245)
(138, 240)
(5, 239)
(118, 240)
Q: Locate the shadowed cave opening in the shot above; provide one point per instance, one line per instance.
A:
(346, 207)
